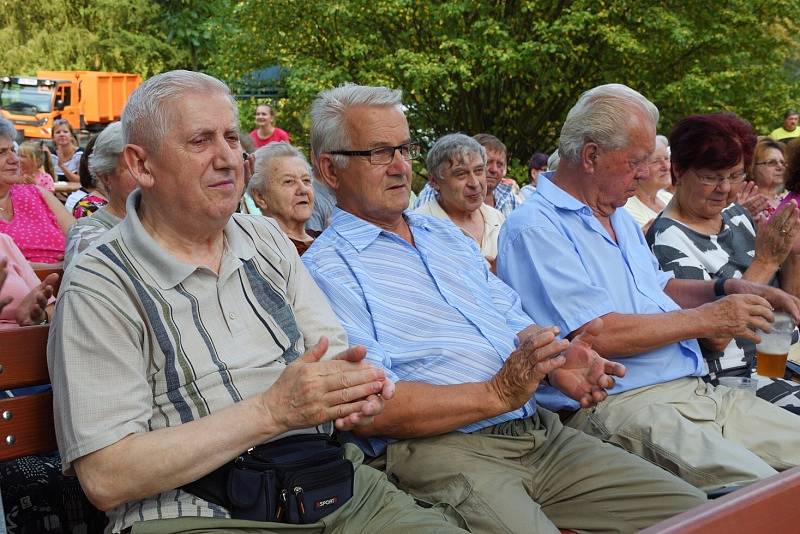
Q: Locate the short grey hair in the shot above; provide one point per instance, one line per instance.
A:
(601, 115)
(328, 128)
(7, 129)
(145, 120)
(107, 151)
(553, 160)
(663, 140)
(264, 156)
(451, 149)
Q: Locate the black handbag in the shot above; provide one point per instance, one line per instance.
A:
(297, 479)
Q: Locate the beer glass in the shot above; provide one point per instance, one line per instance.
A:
(774, 347)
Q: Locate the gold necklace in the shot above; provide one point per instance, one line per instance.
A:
(8, 195)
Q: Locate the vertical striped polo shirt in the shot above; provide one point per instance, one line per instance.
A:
(429, 313)
(142, 341)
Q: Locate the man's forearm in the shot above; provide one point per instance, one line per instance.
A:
(148, 463)
(420, 410)
(629, 335)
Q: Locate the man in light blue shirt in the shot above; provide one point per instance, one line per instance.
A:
(463, 430)
(574, 257)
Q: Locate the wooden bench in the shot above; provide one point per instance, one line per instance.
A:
(26, 423)
(765, 506)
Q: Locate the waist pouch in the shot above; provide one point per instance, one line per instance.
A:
(297, 479)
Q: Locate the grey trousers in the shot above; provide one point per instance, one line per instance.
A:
(531, 475)
(710, 437)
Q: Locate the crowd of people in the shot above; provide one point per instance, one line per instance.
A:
(248, 342)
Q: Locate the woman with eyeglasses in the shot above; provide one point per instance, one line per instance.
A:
(703, 235)
(768, 171)
(651, 193)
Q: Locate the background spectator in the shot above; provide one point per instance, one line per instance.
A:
(36, 165)
(651, 196)
(33, 217)
(68, 153)
(457, 172)
(281, 187)
(94, 198)
(266, 132)
(537, 164)
(789, 129)
(109, 169)
(767, 171)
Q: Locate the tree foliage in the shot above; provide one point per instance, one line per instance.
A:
(514, 68)
(140, 36)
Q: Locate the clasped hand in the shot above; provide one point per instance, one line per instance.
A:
(345, 389)
(572, 367)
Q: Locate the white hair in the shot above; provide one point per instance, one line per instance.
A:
(7, 130)
(264, 156)
(145, 120)
(451, 149)
(602, 116)
(552, 161)
(107, 150)
(328, 128)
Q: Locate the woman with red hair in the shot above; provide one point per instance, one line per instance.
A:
(702, 234)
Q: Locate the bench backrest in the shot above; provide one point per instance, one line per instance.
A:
(26, 422)
(765, 506)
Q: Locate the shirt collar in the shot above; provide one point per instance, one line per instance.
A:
(361, 234)
(558, 197)
(166, 270)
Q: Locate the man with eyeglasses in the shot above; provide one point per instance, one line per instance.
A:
(463, 431)
(573, 257)
(789, 129)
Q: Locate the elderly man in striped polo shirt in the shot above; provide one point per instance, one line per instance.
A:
(463, 430)
(188, 335)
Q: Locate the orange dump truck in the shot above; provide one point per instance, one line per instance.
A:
(89, 100)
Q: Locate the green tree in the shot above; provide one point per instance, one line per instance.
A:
(140, 36)
(514, 67)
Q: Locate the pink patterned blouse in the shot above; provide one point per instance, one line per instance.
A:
(34, 227)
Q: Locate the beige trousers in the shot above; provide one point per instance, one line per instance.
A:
(376, 506)
(710, 437)
(529, 475)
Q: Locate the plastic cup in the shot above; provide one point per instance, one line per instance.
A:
(740, 382)
(771, 353)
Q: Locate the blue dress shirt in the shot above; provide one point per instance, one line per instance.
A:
(567, 270)
(431, 313)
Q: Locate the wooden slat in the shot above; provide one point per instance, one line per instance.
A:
(766, 506)
(26, 426)
(23, 356)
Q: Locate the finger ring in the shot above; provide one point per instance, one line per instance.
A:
(784, 232)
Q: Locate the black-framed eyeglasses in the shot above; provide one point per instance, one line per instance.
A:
(716, 181)
(383, 155)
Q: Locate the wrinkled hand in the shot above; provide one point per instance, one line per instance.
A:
(714, 344)
(586, 375)
(5, 300)
(775, 237)
(345, 390)
(31, 309)
(737, 316)
(537, 355)
(778, 299)
(751, 200)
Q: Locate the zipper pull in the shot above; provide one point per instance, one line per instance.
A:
(281, 505)
(298, 496)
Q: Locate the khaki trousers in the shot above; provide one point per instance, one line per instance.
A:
(376, 506)
(710, 437)
(529, 475)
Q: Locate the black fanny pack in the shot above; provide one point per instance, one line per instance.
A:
(297, 479)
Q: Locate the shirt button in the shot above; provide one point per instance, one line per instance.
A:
(232, 315)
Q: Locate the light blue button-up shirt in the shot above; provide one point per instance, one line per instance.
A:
(567, 270)
(428, 313)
